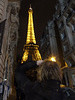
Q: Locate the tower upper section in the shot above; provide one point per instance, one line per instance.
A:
(30, 31)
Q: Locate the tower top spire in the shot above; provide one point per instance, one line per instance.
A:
(30, 7)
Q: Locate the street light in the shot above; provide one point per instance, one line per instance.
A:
(53, 59)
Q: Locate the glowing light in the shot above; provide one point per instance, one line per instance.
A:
(64, 66)
(62, 85)
(30, 48)
(25, 56)
(30, 32)
(53, 59)
(5, 79)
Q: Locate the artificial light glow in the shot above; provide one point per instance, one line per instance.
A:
(53, 59)
(64, 66)
(25, 56)
(5, 79)
(31, 50)
(62, 85)
(30, 32)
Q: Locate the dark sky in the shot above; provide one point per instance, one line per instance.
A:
(42, 12)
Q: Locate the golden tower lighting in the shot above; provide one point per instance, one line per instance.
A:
(31, 51)
(30, 32)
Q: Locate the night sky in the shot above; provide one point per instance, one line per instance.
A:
(43, 11)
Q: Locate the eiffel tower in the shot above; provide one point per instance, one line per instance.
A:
(31, 51)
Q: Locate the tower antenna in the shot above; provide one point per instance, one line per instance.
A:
(30, 5)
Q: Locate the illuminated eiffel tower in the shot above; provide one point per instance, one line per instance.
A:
(31, 51)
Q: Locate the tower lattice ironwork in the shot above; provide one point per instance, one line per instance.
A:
(31, 51)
